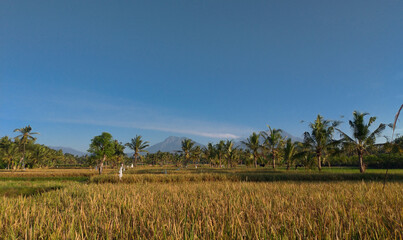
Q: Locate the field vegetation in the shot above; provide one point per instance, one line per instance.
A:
(202, 203)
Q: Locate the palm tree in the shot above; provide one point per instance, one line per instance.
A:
(187, 148)
(24, 137)
(220, 150)
(228, 148)
(321, 137)
(362, 138)
(9, 149)
(253, 144)
(273, 141)
(396, 118)
(230, 152)
(119, 152)
(196, 155)
(138, 146)
(210, 153)
(290, 152)
(39, 155)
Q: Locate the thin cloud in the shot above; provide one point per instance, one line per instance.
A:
(128, 114)
(134, 125)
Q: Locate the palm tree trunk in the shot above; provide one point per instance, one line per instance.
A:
(23, 157)
(362, 166)
(254, 157)
(135, 159)
(319, 162)
(288, 164)
(274, 161)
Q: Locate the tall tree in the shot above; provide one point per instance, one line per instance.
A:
(231, 153)
(396, 118)
(196, 154)
(9, 150)
(102, 146)
(321, 137)
(253, 144)
(362, 138)
(39, 155)
(187, 148)
(119, 152)
(138, 146)
(24, 137)
(290, 152)
(220, 150)
(209, 153)
(273, 141)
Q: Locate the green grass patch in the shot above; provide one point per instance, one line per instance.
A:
(45, 179)
(23, 188)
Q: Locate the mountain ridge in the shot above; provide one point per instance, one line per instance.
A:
(68, 150)
(170, 144)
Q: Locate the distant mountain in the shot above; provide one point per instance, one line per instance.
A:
(284, 134)
(68, 150)
(293, 138)
(170, 144)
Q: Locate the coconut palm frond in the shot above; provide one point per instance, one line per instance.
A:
(344, 136)
(396, 118)
(378, 131)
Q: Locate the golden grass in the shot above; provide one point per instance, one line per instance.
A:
(207, 210)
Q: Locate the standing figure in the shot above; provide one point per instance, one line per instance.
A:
(121, 172)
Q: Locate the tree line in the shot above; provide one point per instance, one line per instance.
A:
(319, 146)
(22, 152)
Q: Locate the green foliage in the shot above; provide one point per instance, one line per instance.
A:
(231, 153)
(321, 137)
(253, 144)
(187, 148)
(102, 145)
(24, 138)
(272, 143)
(382, 160)
(290, 152)
(362, 139)
(138, 146)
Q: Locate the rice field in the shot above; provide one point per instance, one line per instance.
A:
(208, 205)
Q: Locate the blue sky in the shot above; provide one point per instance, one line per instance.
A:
(202, 69)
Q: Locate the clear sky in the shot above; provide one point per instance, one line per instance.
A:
(202, 69)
